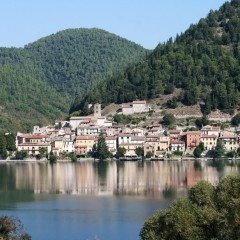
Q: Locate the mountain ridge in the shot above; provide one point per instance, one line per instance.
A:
(203, 61)
(64, 64)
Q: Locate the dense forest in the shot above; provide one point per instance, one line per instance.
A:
(39, 81)
(204, 62)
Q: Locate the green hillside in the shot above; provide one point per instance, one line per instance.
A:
(204, 61)
(75, 59)
(39, 81)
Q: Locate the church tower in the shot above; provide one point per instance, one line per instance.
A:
(97, 110)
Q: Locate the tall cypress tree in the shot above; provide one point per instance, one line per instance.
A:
(102, 148)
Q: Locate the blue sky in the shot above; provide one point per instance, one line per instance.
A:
(146, 22)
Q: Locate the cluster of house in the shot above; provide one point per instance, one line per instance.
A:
(79, 135)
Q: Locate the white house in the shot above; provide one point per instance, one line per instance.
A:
(210, 130)
(177, 145)
(111, 142)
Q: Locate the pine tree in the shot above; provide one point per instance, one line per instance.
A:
(102, 148)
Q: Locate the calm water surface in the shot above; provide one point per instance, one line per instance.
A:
(106, 201)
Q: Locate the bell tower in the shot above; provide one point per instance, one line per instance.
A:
(97, 110)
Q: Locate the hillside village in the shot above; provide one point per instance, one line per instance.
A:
(80, 134)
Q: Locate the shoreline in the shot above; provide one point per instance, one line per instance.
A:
(173, 159)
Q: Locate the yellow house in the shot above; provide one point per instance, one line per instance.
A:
(209, 141)
(84, 144)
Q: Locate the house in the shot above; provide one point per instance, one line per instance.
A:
(124, 138)
(151, 144)
(177, 145)
(111, 142)
(140, 106)
(130, 143)
(84, 144)
(39, 130)
(175, 134)
(230, 142)
(88, 130)
(157, 145)
(164, 143)
(155, 129)
(57, 145)
(192, 139)
(135, 107)
(209, 141)
(30, 138)
(76, 121)
(127, 109)
(68, 145)
(33, 148)
(210, 130)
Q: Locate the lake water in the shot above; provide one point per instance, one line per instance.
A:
(87, 200)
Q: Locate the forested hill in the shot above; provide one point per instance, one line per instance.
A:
(204, 61)
(73, 60)
(39, 81)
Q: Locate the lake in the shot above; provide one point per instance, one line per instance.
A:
(91, 200)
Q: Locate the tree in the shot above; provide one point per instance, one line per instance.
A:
(139, 151)
(102, 148)
(219, 149)
(208, 212)
(10, 142)
(169, 120)
(42, 153)
(12, 229)
(121, 151)
(20, 155)
(149, 155)
(52, 158)
(172, 103)
(169, 89)
(3, 145)
(72, 156)
(201, 122)
(198, 150)
(236, 120)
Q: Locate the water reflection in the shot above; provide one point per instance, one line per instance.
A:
(154, 179)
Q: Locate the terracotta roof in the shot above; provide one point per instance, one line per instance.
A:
(137, 138)
(85, 137)
(209, 136)
(228, 136)
(193, 132)
(111, 138)
(125, 135)
(177, 142)
(34, 144)
(33, 136)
